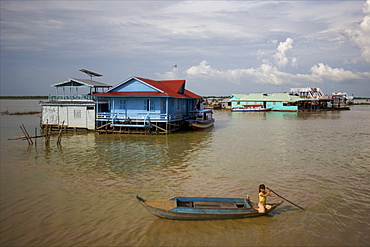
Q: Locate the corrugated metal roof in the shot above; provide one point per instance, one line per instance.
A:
(164, 88)
(72, 82)
(283, 97)
(286, 97)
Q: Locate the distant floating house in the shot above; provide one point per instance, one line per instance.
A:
(144, 105)
(275, 101)
(299, 99)
(316, 99)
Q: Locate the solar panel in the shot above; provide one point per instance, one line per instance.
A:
(90, 73)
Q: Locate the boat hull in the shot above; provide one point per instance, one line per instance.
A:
(200, 125)
(250, 110)
(200, 119)
(202, 208)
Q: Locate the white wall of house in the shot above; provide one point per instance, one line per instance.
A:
(73, 116)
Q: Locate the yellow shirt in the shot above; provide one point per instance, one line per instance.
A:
(262, 198)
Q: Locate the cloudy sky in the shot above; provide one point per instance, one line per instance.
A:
(219, 47)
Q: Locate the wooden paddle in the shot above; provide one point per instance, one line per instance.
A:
(285, 199)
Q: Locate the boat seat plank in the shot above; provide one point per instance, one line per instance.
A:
(163, 204)
(215, 204)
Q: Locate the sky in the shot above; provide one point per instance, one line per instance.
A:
(219, 47)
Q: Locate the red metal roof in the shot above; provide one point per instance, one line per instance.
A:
(169, 88)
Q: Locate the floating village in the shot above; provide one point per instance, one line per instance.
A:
(146, 106)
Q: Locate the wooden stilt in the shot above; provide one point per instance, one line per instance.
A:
(165, 131)
(35, 135)
(47, 137)
(60, 134)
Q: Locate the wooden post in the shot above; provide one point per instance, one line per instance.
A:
(35, 136)
(60, 134)
(47, 138)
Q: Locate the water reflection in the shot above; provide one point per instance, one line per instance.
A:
(249, 115)
(274, 115)
(320, 115)
(125, 155)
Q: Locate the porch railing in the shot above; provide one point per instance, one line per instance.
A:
(70, 97)
(119, 116)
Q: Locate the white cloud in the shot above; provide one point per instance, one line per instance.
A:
(280, 57)
(173, 74)
(294, 62)
(324, 72)
(360, 34)
(268, 73)
(264, 74)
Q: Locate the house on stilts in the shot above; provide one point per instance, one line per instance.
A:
(140, 105)
(136, 105)
(74, 107)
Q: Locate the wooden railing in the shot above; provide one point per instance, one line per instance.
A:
(70, 97)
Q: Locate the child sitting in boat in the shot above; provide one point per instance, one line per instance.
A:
(262, 207)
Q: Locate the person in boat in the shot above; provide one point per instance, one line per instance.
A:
(262, 207)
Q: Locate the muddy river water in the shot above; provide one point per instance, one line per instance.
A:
(82, 193)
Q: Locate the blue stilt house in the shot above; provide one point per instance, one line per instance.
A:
(140, 105)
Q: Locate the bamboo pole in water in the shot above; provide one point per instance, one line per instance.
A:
(30, 142)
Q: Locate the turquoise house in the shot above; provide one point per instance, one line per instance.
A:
(275, 101)
(144, 105)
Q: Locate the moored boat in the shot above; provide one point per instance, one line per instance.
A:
(201, 119)
(250, 108)
(203, 208)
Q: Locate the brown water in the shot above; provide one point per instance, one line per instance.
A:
(83, 192)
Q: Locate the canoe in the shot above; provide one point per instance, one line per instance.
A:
(203, 208)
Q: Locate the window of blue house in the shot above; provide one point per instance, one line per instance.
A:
(163, 106)
(149, 105)
(152, 108)
(146, 105)
(172, 105)
(177, 105)
(122, 104)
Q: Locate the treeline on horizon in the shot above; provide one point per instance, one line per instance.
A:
(24, 97)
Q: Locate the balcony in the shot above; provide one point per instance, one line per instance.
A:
(71, 97)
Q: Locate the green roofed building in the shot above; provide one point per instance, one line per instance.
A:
(275, 101)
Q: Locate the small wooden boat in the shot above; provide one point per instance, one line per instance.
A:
(250, 108)
(201, 119)
(203, 208)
